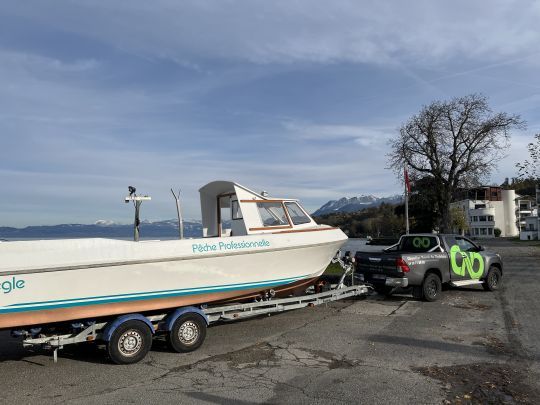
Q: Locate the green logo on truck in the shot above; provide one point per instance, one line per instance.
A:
(461, 261)
(421, 242)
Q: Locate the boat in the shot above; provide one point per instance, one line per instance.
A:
(252, 245)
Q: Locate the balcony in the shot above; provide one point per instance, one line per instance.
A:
(482, 211)
(524, 210)
(483, 224)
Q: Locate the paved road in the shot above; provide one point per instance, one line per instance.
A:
(470, 346)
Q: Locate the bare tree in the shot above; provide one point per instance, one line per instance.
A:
(456, 142)
(530, 168)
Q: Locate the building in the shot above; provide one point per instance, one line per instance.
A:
(525, 207)
(529, 223)
(487, 208)
(530, 231)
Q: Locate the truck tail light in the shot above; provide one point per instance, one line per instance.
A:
(402, 265)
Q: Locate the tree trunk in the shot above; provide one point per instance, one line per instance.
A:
(444, 212)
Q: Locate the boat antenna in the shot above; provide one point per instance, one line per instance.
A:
(179, 214)
(137, 202)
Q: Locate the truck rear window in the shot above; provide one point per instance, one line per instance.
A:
(417, 244)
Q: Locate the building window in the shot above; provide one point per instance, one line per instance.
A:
(476, 231)
(490, 231)
(490, 217)
(531, 227)
(483, 231)
(482, 218)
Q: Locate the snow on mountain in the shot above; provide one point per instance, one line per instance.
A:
(104, 229)
(356, 204)
(104, 222)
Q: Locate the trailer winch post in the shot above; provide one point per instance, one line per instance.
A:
(137, 201)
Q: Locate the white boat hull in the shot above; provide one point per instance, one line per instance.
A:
(54, 281)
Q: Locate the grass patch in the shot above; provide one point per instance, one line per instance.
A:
(333, 269)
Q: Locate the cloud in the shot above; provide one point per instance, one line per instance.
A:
(363, 135)
(44, 65)
(296, 97)
(299, 31)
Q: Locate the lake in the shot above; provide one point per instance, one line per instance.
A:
(354, 244)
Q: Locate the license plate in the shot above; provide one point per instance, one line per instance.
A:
(379, 276)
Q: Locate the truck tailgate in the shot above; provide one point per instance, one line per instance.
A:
(377, 263)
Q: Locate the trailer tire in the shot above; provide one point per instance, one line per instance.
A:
(431, 287)
(493, 279)
(130, 342)
(187, 333)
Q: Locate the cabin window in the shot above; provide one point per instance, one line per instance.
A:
(296, 214)
(464, 244)
(235, 208)
(272, 214)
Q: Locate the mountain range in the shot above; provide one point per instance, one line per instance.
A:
(168, 228)
(104, 229)
(356, 204)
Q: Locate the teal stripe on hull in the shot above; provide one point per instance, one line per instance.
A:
(46, 305)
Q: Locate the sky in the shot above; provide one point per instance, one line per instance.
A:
(297, 97)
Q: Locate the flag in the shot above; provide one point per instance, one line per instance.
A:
(407, 182)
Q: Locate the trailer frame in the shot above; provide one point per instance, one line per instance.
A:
(163, 323)
(93, 332)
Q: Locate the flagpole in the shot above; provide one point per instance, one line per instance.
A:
(406, 201)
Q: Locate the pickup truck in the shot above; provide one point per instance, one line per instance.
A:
(427, 261)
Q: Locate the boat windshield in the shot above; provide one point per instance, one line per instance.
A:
(272, 213)
(298, 216)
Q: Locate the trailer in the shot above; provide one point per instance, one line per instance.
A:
(128, 338)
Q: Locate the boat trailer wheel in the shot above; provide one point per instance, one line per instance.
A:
(187, 333)
(130, 343)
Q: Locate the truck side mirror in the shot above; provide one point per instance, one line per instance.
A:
(480, 248)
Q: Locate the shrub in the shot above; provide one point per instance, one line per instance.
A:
(497, 232)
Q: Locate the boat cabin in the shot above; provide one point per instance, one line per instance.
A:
(230, 209)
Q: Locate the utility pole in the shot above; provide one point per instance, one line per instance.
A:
(137, 202)
(179, 214)
(407, 191)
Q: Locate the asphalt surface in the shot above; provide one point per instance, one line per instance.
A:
(470, 347)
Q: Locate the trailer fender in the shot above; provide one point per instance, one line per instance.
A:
(167, 323)
(113, 325)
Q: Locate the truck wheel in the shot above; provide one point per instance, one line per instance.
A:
(130, 342)
(187, 334)
(493, 279)
(431, 287)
